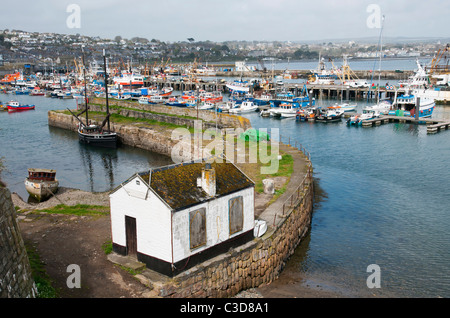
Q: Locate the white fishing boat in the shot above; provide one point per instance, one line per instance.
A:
(286, 110)
(358, 119)
(206, 106)
(345, 106)
(41, 183)
(382, 106)
(239, 86)
(330, 115)
(244, 107)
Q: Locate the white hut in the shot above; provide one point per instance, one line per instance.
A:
(174, 217)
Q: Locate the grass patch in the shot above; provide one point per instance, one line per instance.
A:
(120, 119)
(40, 277)
(107, 247)
(79, 209)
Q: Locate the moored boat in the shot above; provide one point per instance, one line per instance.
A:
(245, 107)
(406, 105)
(93, 134)
(346, 107)
(41, 183)
(14, 106)
(330, 115)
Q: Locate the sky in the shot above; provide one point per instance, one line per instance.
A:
(228, 20)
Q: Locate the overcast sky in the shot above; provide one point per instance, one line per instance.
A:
(223, 20)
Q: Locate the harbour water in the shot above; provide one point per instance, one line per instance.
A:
(381, 198)
(26, 141)
(381, 193)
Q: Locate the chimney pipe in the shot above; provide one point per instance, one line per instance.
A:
(208, 180)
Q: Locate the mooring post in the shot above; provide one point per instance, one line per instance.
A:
(417, 109)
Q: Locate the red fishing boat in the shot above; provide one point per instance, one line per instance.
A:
(14, 106)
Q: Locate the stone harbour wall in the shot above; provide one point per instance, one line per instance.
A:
(256, 263)
(166, 113)
(16, 280)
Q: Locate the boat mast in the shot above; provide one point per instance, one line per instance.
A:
(106, 87)
(379, 65)
(85, 87)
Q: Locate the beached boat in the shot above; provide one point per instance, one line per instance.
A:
(14, 106)
(41, 183)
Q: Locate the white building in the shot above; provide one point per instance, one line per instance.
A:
(174, 217)
(241, 66)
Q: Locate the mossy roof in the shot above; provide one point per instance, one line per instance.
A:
(177, 184)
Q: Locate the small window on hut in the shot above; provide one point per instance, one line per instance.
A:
(197, 228)
(236, 214)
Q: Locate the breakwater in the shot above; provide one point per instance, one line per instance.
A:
(154, 138)
(174, 115)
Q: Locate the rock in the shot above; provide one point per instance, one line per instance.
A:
(269, 186)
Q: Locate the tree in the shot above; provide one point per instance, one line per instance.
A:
(118, 38)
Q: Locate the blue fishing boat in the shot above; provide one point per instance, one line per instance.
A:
(406, 105)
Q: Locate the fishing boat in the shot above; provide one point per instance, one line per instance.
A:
(346, 107)
(264, 113)
(286, 110)
(37, 92)
(22, 91)
(155, 99)
(204, 105)
(358, 119)
(14, 106)
(3, 107)
(128, 79)
(239, 86)
(263, 99)
(330, 115)
(308, 114)
(405, 105)
(93, 134)
(382, 106)
(177, 102)
(322, 75)
(41, 183)
(244, 107)
(225, 108)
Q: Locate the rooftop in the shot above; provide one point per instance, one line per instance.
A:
(177, 184)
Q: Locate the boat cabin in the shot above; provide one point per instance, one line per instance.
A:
(41, 174)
